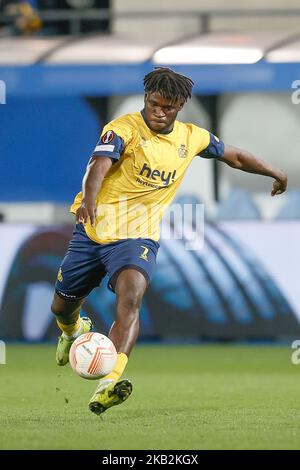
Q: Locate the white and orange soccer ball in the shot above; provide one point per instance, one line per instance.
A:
(92, 355)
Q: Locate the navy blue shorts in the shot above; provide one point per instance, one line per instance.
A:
(87, 262)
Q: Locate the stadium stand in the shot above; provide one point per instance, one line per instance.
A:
(238, 205)
(291, 209)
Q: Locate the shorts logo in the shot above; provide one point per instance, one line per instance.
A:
(68, 296)
(107, 137)
(144, 254)
(60, 276)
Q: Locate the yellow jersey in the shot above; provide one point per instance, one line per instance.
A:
(145, 176)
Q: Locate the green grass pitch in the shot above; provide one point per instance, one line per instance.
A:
(184, 397)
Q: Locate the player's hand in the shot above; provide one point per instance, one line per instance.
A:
(86, 212)
(279, 185)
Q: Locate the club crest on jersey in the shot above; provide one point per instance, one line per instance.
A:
(143, 142)
(182, 151)
(107, 137)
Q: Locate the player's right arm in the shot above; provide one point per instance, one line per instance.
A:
(96, 170)
(213, 147)
(108, 150)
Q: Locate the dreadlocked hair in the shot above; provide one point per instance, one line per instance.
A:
(170, 85)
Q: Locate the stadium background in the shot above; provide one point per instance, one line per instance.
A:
(72, 66)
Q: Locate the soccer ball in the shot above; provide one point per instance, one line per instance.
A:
(92, 355)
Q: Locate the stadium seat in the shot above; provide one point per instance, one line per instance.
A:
(238, 205)
(192, 200)
(291, 209)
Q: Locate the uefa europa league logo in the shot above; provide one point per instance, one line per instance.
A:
(2, 92)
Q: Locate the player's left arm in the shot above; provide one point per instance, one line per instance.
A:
(246, 161)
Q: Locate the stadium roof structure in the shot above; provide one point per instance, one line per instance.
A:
(105, 64)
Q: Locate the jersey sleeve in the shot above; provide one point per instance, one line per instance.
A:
(215, 147)
(112, 141)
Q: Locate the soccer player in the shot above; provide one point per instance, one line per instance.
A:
(131, 177)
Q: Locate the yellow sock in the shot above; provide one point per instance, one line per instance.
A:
(118, 370)
(70, 329)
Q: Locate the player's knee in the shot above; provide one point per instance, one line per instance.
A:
(130, 302)
(130, 289)
(56, 309)
(61, 307)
